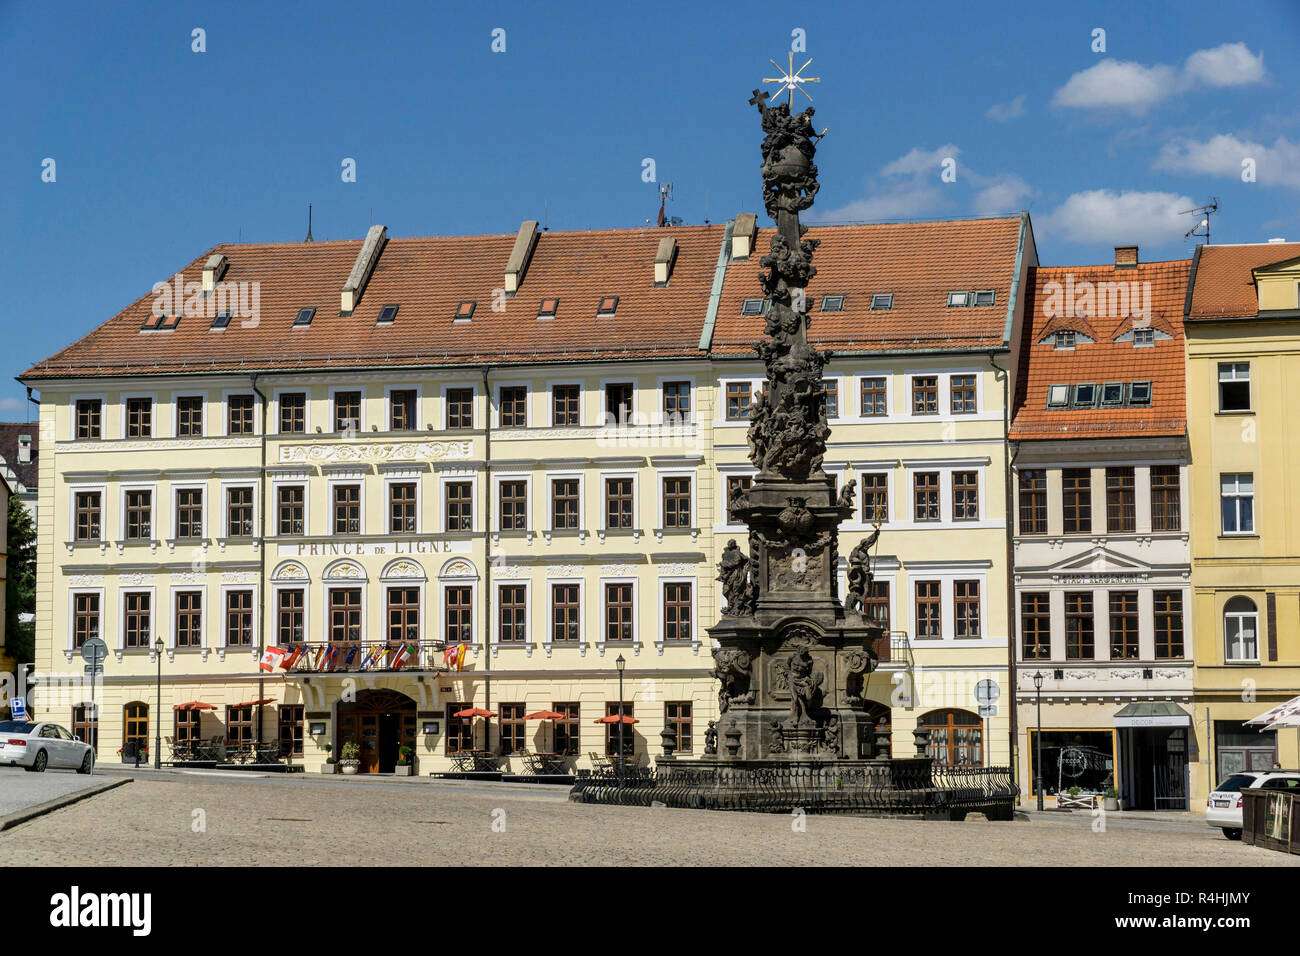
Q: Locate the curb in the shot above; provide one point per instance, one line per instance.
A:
(30, 813)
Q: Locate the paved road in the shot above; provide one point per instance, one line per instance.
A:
(193, 819)
(20, 789)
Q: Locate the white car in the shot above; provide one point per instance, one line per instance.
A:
(37, 745)
(1223, 808)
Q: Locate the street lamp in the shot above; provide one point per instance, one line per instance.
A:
(1038, 742)
(158, 647)
(618, 763)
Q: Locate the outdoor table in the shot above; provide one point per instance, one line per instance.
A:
(268, 752)
(549, 763)
(463, 761)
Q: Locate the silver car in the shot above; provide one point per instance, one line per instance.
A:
(37, 745)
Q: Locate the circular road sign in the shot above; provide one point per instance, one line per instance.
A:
(94, 651)
(987, 691)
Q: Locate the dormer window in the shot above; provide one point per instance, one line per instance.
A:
(832, 303)
(1058, 396)
(547, 309)
(1112, 393)
(221, 321)
(1143, 337)
(958, 299)
(387, 315)
(464, 311)
(881, 301)
(1085, 396)
(751, 307)
(168, 323)
(1139, 393)
(151, 323)
(1063, 340)
(304, 317)
(608, 306)
(986, 298)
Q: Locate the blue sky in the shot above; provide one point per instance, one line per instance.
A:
(161, 152)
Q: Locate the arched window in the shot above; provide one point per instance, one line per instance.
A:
(1241, 629)
(135, 729)
(956, 737)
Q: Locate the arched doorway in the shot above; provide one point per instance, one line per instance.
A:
(379, 721)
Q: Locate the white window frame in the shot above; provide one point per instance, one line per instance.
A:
(1237, 497)
(1233, 368)
(1240, 617)
(154, 631)
(333, 411)
(277, 483)
(550, 401)
(722, 522)
(153, 414)
(175, 406)
(304, 586)
(273, 413)
(330, 483)
(224, 518)
(225, 413)
(528, 644)
(603, 619)
(550, 478)
(633, 412)
(122, 489)
(660, 417)
(720, 416)
(335, 584)
(857, 415)
(662, 623)
(388, 407)
(494, 510)
(69, 648)
(391, 479)
(474, 643)
(423, 618)
(204, 637)
(76, 489)
(661, 474)
(947, 574)
(621, 474)
(530, 413)
(549, 642)
(103, 416)
(475, 503)
(445, 418)
(257, 624)
(204, 516)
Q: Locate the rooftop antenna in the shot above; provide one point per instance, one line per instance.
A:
(1204, 212)
(665, 194)
(706, 207)
(308, 239)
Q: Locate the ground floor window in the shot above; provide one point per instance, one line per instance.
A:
(135, 729)
(611, 730)
(677, 714)
(512, 729)
(187, 726)
(567, 735)
(239, 724)
(460, 730)
(956, 737)
(291, 716)
(1239, 747)
(1073, 758)
(85, 725)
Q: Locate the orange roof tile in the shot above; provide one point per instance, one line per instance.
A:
(919, 262)
(1104, 360)
(1223, 287)
(427, 278)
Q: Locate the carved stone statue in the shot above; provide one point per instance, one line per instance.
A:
(805, 688)
(711, 738)
(859, 573)
(733, 573)
(847, 493)
(732, 667)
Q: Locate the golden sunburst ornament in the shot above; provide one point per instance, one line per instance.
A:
(791, 80)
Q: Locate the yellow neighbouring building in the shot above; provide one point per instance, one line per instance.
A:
(520, 443)
(1243, 364)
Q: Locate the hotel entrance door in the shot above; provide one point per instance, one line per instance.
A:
(380, 722)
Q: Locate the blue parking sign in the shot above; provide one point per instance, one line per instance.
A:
(18, 708)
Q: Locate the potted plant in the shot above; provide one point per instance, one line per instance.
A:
(1075, 799)
(330, 766)
(351, 761)
(1110, 799)
(405, 761)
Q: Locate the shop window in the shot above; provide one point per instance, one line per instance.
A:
(956, 738)
(1072, 758)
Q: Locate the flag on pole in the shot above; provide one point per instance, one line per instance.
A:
(287, 662)
(401, 657)
(270, 657)
(326, 661)
(351, 655)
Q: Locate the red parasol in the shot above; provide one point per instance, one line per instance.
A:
(195, 705)
(474, 712)
(614, 718)
(545, 715)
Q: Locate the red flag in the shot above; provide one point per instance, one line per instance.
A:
(270, 657)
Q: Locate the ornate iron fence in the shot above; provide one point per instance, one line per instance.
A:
(885, 788)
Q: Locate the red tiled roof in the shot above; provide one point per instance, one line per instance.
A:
(919, 262)
(1224, 287)
(1104, 360)
(427, 278)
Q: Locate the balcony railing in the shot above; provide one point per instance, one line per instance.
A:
(893, 647)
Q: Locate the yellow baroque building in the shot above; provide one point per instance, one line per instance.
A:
(1242, 327)
(315, 494)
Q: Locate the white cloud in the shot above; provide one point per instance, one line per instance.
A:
(911, 187)
(1231, 64)
(1005, 194)
(1103, 215)
(1005, 112)
(1222, 155)
(1131, 86)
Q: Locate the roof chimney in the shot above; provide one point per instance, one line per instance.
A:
(664, 259)
(742, 236)
(24, 449)
(213, 270)
(376, 238)
(520, 255)
(1126, 257)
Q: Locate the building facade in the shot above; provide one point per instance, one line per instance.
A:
(491, 472)
(1242, 321)
(1103, 587)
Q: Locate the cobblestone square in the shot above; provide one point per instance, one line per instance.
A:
(212, 820)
